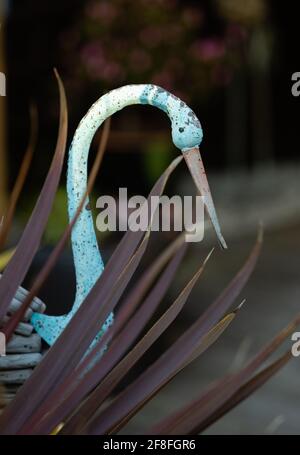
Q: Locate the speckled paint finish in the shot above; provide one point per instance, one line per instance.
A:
(186, 134)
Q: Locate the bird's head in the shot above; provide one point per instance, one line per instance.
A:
(187, 135)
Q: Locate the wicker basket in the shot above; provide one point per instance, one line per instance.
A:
(23, 351)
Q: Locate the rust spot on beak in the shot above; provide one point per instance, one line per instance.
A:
(195, 164)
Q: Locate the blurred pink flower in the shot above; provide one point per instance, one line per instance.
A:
(92, 56)
(92, 49)
(159, 39)
(111, 72)
(97, 64)
(208, 49)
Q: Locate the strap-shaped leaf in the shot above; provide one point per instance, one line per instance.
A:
(224, 390)
(70, 347)
(78, 384)
(27, 247)
(18, 186)
(177, 355)
(51, 261)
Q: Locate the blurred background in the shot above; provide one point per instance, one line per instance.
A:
(232, 62)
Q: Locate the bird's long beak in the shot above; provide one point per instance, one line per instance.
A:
(195, 164)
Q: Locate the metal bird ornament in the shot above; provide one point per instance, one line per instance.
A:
(187, 135)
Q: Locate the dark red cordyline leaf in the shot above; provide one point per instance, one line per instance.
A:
(172, 360)
(74, 391)
(246, 390)
(18, 186)
(211, 337)
(224, 390)
(121, 369)
(139, 291)
(59, 361)
(51, 261)
(70, 347)
(19, 264)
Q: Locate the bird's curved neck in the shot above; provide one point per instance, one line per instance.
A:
(186, 132)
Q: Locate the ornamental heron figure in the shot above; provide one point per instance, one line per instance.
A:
(186, 135)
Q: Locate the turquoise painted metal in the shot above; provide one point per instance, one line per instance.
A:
(186, 135)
